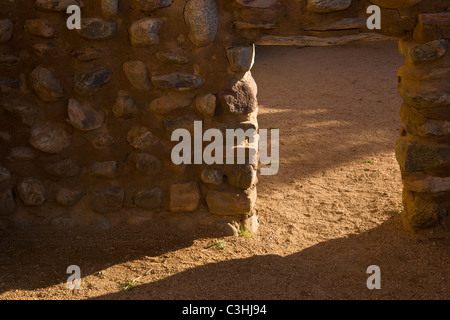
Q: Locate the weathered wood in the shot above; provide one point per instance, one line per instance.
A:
(308, 41)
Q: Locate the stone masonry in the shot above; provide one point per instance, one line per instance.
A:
(86, 116)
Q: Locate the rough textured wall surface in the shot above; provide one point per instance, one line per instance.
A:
(423, 150)
(86, 116)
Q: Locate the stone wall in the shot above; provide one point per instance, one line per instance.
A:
(86, 116)
(423, 149)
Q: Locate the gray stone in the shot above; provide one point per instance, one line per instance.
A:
(150, 198)
(125, 107)
(429, 51)
(8, 59)
(144, 33)
(97, 29)
(241, 59)
(101, 140)
(49, 138)
(107, 200)
(6, 30)
(84, 117)
(110, 8)
(56, 5)
(431, 158)
(417, 124)
(240, 98)
(141, 138)
(212, 176)
(46, 85)
(422, 210)
(231, 202)
(168, 103)
(88, 54)
(424, 99)
(62, 169)
(152, 5)
(21, 154)
(202, 20)
(104, 170)
(67, 198)
(40, 28)
(4, 174)
(7, 203)
(32, 191)
(184, 197)
(241, 176)
(44, 49)
(137, 74)
(144, 163)
(179, 81)
(24, 113)
(206, 104)
(87, 84)
(327, 5)
(172, 57)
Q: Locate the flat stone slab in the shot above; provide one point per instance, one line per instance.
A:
(32, 191)
(137, 74)
(144, 33)
(49, 138)
(435, 19)
(56, 5)
(84, 117)
(88, 84)
(97, 29)
(179, 81)
(152, 5)
(327, 5)
(46, 85)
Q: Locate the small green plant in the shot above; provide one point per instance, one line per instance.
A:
(368, 161)
(244, 232)
(217, 244)
(128, 285)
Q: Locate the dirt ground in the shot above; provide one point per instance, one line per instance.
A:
(331, 211)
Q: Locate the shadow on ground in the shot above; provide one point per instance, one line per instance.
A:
(39, 258)
(334, 269)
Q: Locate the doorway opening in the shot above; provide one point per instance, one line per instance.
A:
(337, 111)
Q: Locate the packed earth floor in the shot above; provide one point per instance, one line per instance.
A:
(332, 210)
